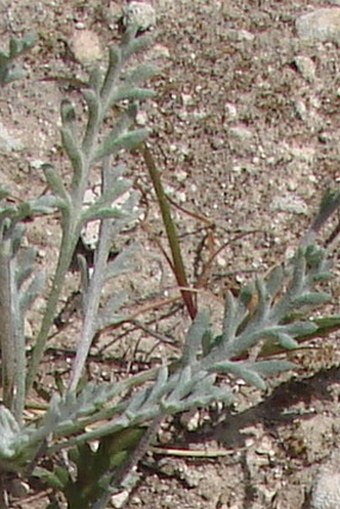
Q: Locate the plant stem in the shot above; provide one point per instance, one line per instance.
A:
(67, 247)
(171, 232)
(141, 448)
(94, 291)
(7, 325)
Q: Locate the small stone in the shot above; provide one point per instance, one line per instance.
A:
(241, 35)
(300, 109)
(7, 142)
(221, 261)
(181, 196)
(119, 499)
(306, 67)
(290, 203)
(326, 488)
(28, 331)
(159, 51)
(241, 133)
(187, 100)
(37, 164)
(181, 175)
(141, 118)
(231, 111)
(320, 25)
(86, 47)
(190, 420)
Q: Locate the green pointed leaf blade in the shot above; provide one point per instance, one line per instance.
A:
(128, 141)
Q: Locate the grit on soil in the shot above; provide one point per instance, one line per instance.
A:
(246, 134)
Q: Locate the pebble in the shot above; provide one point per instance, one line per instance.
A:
(230, 111)
(326, 488)
(306, 67)
(241, 35)
(119, 499)
(7, 142)
(320, 25)
(292, 204)
(159, 51)
(241, 132)
(300, 109)
(141, 118)
(190, 420)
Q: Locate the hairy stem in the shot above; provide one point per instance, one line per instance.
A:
(68, 243)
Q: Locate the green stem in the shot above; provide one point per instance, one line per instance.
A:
(93, 294)
(68, 243)
(171, 232)
(7, 325)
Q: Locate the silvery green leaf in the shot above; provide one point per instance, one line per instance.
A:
(193, 341)
(8, 70)
(96, 212)
(300, 328)
(45, 204)
(322, 277)
(93, 103)
(187, 384)
(112, 74)
(315, 258)
(272, 367)
(329, 204)
(136, 44)
(33, 291)
(107, 198)
(124, 122)
(284, 340)
(240, 370)
(9, 431)
(127, 141)
(122, 262)
(181, 388)
(17, 234)
(311, 299)
(51, 479)
(231, 318)
(18, 46)
(108, 314)
(274, 281)
(9, 75)
(84, 277)
(25, 266)
(159, 386)
(67, 113)
(95, 79)
(133, 94)
(72, 148)
(263, 305)
(136, 403)
(55, 182)
(299, 271)
(140, 74)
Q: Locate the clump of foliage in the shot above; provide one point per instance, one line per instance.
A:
(122, 417)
